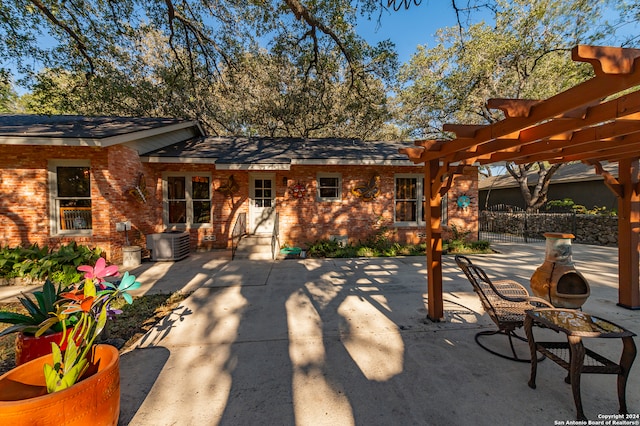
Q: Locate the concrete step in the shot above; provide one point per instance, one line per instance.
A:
(255, 247)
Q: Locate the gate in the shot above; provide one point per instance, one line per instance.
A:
(505, 223)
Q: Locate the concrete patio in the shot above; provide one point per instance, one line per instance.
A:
(347, 342)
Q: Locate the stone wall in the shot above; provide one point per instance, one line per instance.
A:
(588, 229)
(597, 230)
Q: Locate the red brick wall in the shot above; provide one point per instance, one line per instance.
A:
(224, 209)
(465, 219)
(25, 205)
(306, 220)
(25, 210)
(301, 220)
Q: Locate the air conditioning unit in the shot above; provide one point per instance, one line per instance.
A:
(168, 245)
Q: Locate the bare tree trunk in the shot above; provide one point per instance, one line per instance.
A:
(537, 196)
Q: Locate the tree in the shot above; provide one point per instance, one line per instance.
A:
(8, 96)
(524, 53)
(172, 58)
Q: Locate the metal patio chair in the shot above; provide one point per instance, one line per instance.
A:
(505, 301)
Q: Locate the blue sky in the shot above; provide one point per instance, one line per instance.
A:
(417, 25)
(409, 28)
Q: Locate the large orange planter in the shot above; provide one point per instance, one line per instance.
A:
(94, 400)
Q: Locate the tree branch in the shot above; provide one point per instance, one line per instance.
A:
(80, 45)
(303, 14)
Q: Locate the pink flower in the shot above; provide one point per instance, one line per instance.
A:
(100, 271)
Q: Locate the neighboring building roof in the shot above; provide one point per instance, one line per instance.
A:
(570, 172)
(75, 130)
(279, 153)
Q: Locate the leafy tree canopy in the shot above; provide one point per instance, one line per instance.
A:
(195, 58)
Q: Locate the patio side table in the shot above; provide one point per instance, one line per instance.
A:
(573, 356)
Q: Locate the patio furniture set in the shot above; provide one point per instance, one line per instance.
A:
(511, 307)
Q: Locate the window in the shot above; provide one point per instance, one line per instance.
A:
(187, 199)
(329, 187)
(263, 194)
(410, 202)
(408, 194)
(70, 192)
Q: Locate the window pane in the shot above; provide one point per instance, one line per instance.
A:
(177, 212)
(176, 188)
(329, 187)
(73, 182)
(75, 214)
(406, 211)
(200, 188)
(406, 188)
(328, 193)
(201, 211)
(329, 182)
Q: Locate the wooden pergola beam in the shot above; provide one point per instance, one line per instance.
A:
(583, 95)
(591, 122)
(513, 107)
(616, 152)
(607, 60)
(574, 130)
(609, 180)
(587, 149)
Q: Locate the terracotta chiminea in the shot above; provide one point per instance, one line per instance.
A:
(557, 279)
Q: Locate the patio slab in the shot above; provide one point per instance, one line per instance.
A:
(347, 342)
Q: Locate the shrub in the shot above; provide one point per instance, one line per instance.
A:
(480, 245)
(40, 263)
(323, 248)
(568, 204)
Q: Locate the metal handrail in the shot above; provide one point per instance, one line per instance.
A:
(239, 230)
(275, 236)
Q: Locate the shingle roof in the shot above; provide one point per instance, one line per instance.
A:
(73, 126)
(257, 150)
(572, 172)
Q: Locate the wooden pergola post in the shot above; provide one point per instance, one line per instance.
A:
(433, 221)
(629, 234)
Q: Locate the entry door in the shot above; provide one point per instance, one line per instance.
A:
(263, 204)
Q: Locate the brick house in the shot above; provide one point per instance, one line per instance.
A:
(67, 178)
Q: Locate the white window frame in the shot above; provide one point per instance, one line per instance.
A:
(419, 200)
(54, 201)
(338, 197)
(188, 177)
(444, 216)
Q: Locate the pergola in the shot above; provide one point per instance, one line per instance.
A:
(595, 121)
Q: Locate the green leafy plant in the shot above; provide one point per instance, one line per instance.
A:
(39, 311)
(60, 266)
(90, 303)
(11, 259)
(460, 244)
